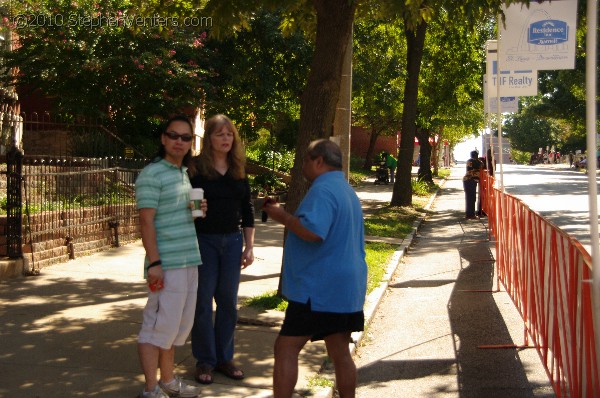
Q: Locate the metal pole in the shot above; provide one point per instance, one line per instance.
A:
(343, 118)
(499, 113)
(590, 78)
(501, 218)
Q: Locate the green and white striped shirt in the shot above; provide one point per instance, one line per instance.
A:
(166, 188)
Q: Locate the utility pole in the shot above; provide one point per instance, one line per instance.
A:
(343, 111)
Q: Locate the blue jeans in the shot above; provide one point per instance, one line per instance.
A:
(470, 187)
(218, 278)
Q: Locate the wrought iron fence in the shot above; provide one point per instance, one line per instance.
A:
(76, 206)
(71, 193)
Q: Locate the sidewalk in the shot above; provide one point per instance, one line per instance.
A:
(71, 332)
(444, 329)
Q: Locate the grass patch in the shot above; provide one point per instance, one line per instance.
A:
(387, 221)
(443, 172)
(392, 221)
(422, 188)
(318, 381)
(378, 256)
(267, 301)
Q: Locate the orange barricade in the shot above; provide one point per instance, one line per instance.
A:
(548, 276)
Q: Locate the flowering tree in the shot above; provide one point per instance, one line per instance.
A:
(99, 58)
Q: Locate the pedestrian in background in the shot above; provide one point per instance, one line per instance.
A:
(324, 271)
(171, 261)
(220, 171)
(470, 181)
(490, 162)
(391, 163)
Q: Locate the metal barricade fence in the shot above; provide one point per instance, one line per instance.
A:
(547, 274)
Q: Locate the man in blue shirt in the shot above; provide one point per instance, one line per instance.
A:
(324, 271)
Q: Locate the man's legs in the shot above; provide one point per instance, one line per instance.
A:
(285, 371)
(345, 369)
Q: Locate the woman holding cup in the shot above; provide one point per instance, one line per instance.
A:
(226, 239)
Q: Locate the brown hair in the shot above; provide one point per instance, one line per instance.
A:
(236, 158)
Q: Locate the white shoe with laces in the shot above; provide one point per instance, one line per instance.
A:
(156, 393)
(178, 388)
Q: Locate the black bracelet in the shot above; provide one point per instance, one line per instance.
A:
(154, 264)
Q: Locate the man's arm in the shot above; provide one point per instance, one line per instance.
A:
(291, 222)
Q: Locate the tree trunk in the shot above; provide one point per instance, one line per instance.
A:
(425, 152)
(369, 157)
(435, 157)
(320, 96)
(319, 99)
(415, 41)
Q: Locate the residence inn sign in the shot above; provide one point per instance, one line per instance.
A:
(548, 32)
(541, 37)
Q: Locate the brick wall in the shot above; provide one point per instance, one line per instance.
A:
(50, 229)
(359, 142)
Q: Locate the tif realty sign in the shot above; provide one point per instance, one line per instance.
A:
(513, 83)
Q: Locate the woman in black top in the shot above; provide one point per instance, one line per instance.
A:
(221, 235)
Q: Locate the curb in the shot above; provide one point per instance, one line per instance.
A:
(374, 298)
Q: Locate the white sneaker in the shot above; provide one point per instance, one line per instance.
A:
(156, 393)
(178, 388)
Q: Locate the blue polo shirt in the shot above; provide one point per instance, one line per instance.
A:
(165, 187)
(332, 274)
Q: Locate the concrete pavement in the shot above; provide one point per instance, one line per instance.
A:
(444, 329)
(71, 331)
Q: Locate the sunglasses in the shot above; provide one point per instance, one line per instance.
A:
(174, 136)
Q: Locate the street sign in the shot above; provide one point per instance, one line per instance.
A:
(507, 105)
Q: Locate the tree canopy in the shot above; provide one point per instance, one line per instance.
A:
(261, 76)
(528, 133)
(378, 74)
(103, 59)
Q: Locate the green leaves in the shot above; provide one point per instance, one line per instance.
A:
(261, 75)
(104, 58)
(379, 62)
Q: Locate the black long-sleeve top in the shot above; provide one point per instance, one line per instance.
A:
(229, 204)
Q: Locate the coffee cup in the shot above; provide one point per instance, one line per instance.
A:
(196, 196)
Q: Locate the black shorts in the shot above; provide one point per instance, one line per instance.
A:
(300, 320)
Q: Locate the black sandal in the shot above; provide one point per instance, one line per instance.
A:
(206, 372)
(229, 369)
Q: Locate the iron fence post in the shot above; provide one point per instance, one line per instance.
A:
(14, 200)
